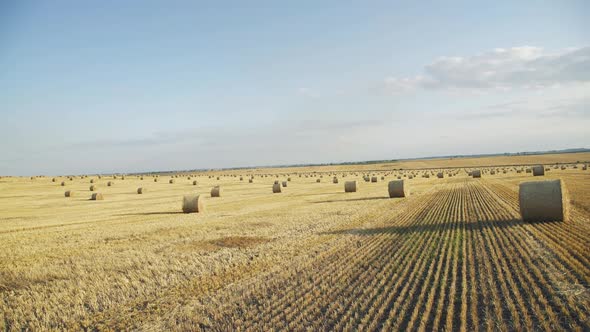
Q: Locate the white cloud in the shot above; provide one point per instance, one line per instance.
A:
(517, 67)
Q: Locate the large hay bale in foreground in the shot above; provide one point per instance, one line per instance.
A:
(396, 189)
(216, 191)
(543, 201)
(538, 170)
(476, 173)
(350, 187)
(96, 197)
(193, 204)
(69, 193)
(140, 191)
(276, 188)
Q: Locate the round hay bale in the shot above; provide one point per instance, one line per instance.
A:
(440, 175)
(63, 183)
(141, 178)
(109, 183)
(53, 180)
(96, 197)
(585, 167)
(285, 184)
(476, 173)
(140, 190)
(194, 182)
(528, 170)
(216, 191)
(318, 180)
(155, 179)
(374, 179)
(193, 204)
(276, 188)
(335, 180)
(396, 189)
(543, 201)
(350, 187)
(538, 170)
(69, 193)
(251, 181)
(171, 181)
(276, 182)
(91, 180)
(92, 188)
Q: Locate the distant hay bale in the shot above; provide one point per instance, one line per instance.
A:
(155, 179)
(492, 172)
(69, 193)
(396, 189)
(543, 201)
(285, 184)
(194, 182)
(218, 178)
(410, 176)
(63, 183)
(141, 178)
(53, 180)
(140, 190)
(92, 188)
(276, 188)
(241, 178)
(440, 175)
(528, 170)
(350, 187)
(585, 167)
(382, 178)
(562, 168)
(251, 180)
(476, 173)
(171, 181)
(335, 180)
(91, 180)
(374, 179)
(216, 191)
(318, 180)
(109, 183)
(193, 204)
(538, 170)
(96, 197)
(289, 179)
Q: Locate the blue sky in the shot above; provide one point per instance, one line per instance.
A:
(153, 85)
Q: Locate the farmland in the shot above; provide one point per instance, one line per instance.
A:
(453, 255)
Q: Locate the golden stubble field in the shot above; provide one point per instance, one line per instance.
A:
(453, 255)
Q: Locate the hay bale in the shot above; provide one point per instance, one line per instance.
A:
(92, 188)
(335, 180)
(543, 201)
(585, 167)
(53, 180)
(251, 180)
(350, 187)
(440, 175)
(374, 179)
(171, 181)
(528, 170)
(91, 180)
(140, 190)
(284, 184)
(476, 173)
(193, 204)
(538, 170)
(109, 183)
(276, 182)
(69, 193)
(96, 197)
(216, 191)
(63, 183)
(318, 180)
(276, 188)
(194, 182)
(289, 179)
(396, 189)
(155, 179)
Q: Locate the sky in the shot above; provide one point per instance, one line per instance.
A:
(130, 86)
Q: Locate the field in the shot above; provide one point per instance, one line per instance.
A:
(454, 255)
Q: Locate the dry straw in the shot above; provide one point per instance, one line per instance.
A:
(193, 204)
(350, 186)
(96, 197)
(396, 189)
(543, 201)
(216, 191)
(276, 188)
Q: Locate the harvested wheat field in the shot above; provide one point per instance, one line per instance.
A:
(454, 255)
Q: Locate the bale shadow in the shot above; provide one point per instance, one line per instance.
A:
(352, 200)
(148, 213)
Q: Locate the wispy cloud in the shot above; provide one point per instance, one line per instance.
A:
(522, 67)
